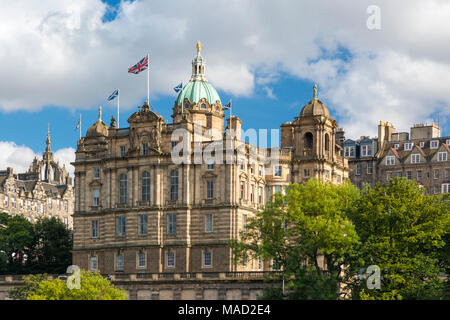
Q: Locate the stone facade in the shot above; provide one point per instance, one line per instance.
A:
(138, 211)
(423, 156)
(45, 190)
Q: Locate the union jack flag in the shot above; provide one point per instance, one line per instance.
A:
(140, 66)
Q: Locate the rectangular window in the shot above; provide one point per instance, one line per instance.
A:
(252, 187)
(408, 146)
(396, 146)
(447, 142)
(123, 186)
(141, 260)
(419, 175)
(244, 223)
(142, 223)
(422, 144)
(242, 189)
(260, 194)
(119, 262)
(172, 223)
(442, 156)
(260, 171)
(170, 259)
(369, 167)
(446, 174)
(415, 158)
(144, 149)
(96, 197)
(434, 144)
(174, 185)
(208, 222)
(349, 152)
(338, 179)
(66, 205)
(120, 226)
(366, 150)
(94, 228)
(277, 171)
(93, 263)
(390, 160)
(207, 259)
(210, 164)
(209, 189)
(436, 174)
(122, 151)
(446, 188)
(306, 173)
(358, 169)
(408, 175)
(96, 173)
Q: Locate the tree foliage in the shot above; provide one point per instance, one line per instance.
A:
(394, 226)
(27, 248)
(405, 233)
(93, 286)
(302, 231)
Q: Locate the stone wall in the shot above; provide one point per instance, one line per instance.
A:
(177, 286)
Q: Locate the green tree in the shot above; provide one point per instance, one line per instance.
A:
(402, 231)
(29, 287)
(308, 235)
(53, 247)
(93, 287)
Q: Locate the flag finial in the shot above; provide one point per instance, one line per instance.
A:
(315, 91)
(199, 46)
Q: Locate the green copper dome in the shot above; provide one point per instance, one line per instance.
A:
(195, 90)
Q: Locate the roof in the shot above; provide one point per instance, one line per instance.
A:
(196, 90)
(315, 108)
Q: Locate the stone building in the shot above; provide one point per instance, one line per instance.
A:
(45, 190)
(421, 155)
(138, 211)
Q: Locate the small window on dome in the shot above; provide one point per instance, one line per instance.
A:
(203, 106)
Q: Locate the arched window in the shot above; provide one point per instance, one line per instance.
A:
(327, 142)
(123, 188)
(174, 184)
(145, 182)
(308, 141)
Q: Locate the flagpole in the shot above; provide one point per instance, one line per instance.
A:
(80, 126)
(118, 108)
(148, 80)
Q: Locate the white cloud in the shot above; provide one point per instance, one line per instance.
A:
(20, 157)
(58, 52)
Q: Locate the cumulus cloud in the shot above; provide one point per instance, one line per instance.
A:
(60, 52)
(20, 157)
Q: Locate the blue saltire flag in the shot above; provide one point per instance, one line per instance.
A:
(179, 87)
(228, 105)
(113, 95)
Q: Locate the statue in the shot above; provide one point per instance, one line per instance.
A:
(315, 91)
(199, 46)
(113, 123)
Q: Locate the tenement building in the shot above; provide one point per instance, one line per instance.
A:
(45, 190)
(421, 155)
(138, 209)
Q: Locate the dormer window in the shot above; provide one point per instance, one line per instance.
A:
(447, 142)
(349, 151)
(408, 146)
(434, 144)
(203, 106)
(442, 156)
(366, 150)
(390, 160)
(415, 158)
(422, 144)
(396, 146)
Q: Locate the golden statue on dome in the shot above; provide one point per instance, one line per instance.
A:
(199, 46)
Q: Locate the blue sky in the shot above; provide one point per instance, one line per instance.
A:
(81, 49)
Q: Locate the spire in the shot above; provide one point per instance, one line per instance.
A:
(315, 92)
(48, 141)
(198, 65)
